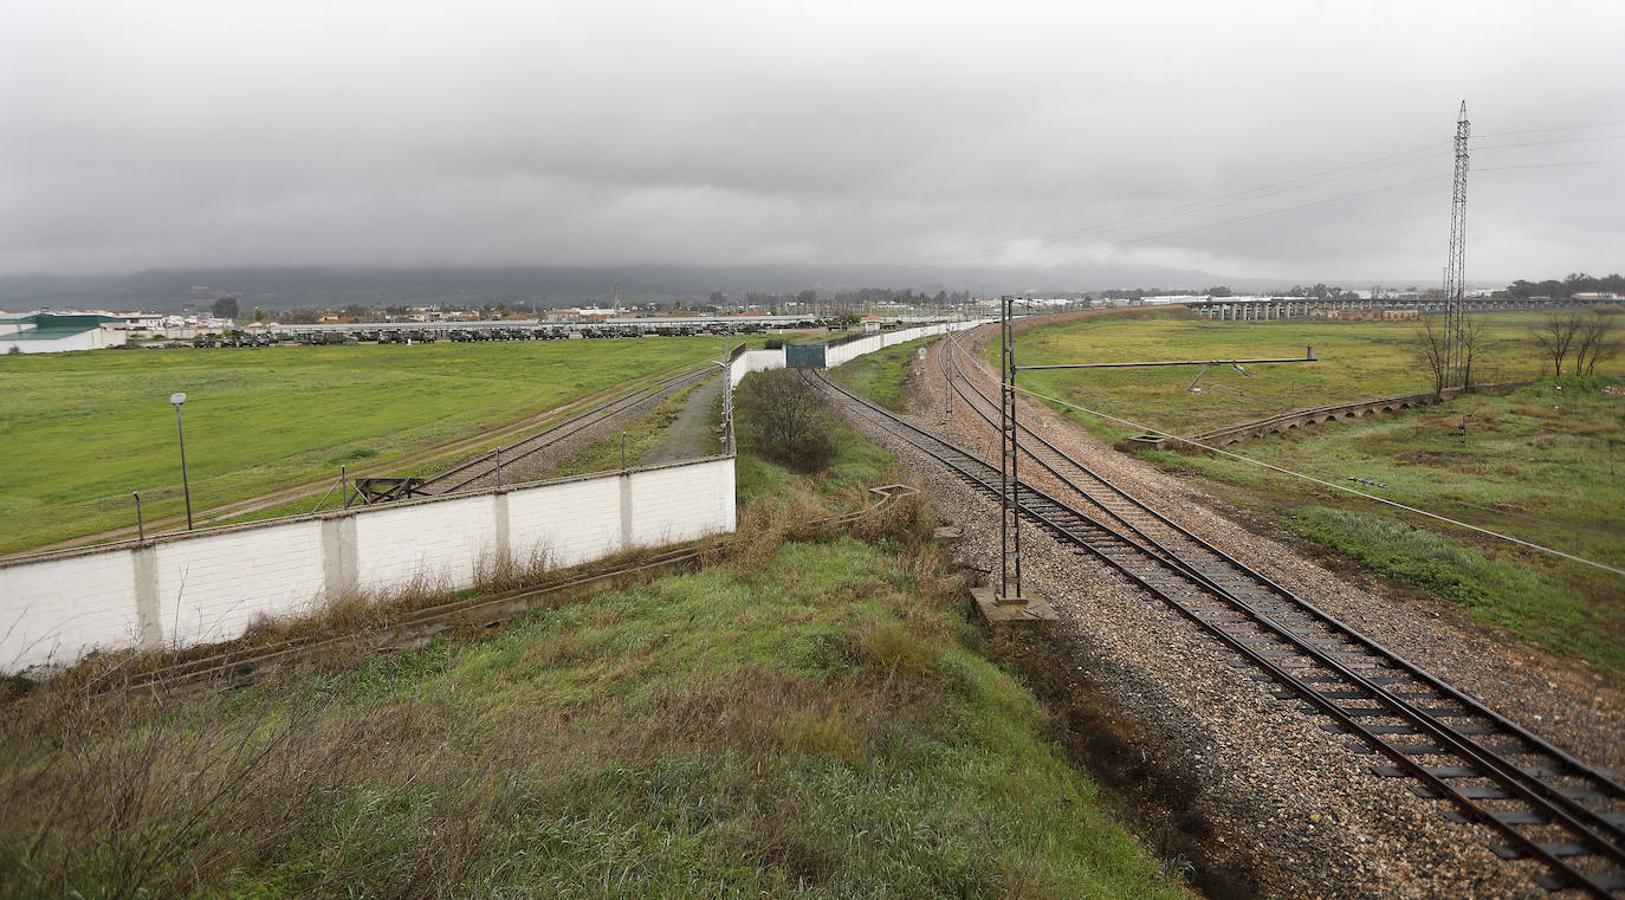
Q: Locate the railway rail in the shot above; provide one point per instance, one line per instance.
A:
(1544, 803)
(490, 464)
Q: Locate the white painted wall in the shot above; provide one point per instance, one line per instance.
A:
(763, 360)
(571, 524)
(211, 586)
(755, 361)
(181, 590)
(89, 339)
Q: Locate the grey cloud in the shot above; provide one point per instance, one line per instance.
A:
(877, 135)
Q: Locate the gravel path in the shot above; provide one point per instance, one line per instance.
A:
(694, 432)
(1299, 801)
(541, 464)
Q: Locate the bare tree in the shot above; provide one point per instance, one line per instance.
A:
(1431, 347)
(1594, 343)
(1555, 338)
(1472, 340)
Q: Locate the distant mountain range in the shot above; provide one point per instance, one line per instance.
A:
(171, 290)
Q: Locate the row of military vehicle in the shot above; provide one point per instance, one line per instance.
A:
(468, 335)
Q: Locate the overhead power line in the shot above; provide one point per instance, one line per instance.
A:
(1589, 127)
(1414, 155)
(1333, 485)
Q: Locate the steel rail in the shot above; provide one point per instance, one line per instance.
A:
(1577, 767)
(1561, 806)
(486, 462)
(1117, 551)
(1464, 747)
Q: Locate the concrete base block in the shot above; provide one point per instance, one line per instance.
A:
(1025, 610)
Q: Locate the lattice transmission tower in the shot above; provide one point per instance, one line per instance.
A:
(1455, 270)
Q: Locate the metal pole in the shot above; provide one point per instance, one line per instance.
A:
(344, 486)
(1009, 477)
(1004, 456)
(623, 451)
(186, 485)
(498, 453)
(1015, 455)
(140, 525)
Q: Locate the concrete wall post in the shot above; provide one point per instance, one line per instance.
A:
(340, 569)
(502, 524)
(149, 624)
(626, 511)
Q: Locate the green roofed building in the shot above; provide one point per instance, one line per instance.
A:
(59, 332)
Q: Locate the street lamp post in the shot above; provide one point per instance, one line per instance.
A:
(186, 486)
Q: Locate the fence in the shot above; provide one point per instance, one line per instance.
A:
(842, 352)
(179, 590)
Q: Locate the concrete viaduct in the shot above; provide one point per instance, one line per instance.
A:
(1252, 309)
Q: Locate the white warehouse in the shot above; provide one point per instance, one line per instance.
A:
(59, 332)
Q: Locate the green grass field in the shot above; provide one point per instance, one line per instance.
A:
(1542, 464)
(810, 718)
(1357, 360)
(83, 430)
(882, 376)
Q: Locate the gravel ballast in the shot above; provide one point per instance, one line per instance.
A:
(1299, 801)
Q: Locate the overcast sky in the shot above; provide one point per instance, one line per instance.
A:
(181, 134)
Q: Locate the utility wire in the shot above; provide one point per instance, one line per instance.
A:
(1301, 182)
(1536, 520)
(1556, 165)
(1334, 486)
(1279, 187)
(1578, 140)
(1558, 128)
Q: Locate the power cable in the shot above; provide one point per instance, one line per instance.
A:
(1334, 486)
(1566, 526)
(1557, 128)
(1556, 165)
(1302, 182)
(1311, 180)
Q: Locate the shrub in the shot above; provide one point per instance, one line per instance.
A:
(788, 420)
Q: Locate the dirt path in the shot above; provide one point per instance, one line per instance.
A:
(694, 432)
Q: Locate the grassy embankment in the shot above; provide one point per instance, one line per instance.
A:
(1541, 464)
(882, 376)
(83, 430)
(811, 716)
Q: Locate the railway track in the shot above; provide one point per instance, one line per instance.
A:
(1545, 804)
(490, 464)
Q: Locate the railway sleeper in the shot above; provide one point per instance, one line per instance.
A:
(1363, 712)
(1390, 771)
(1364, 749)
(1506, 851)
(1610, 882)
(1469, 791)
(1467, 729)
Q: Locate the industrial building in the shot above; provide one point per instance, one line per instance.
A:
(44, 332)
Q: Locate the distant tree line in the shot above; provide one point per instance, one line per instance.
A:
(1579, 283)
